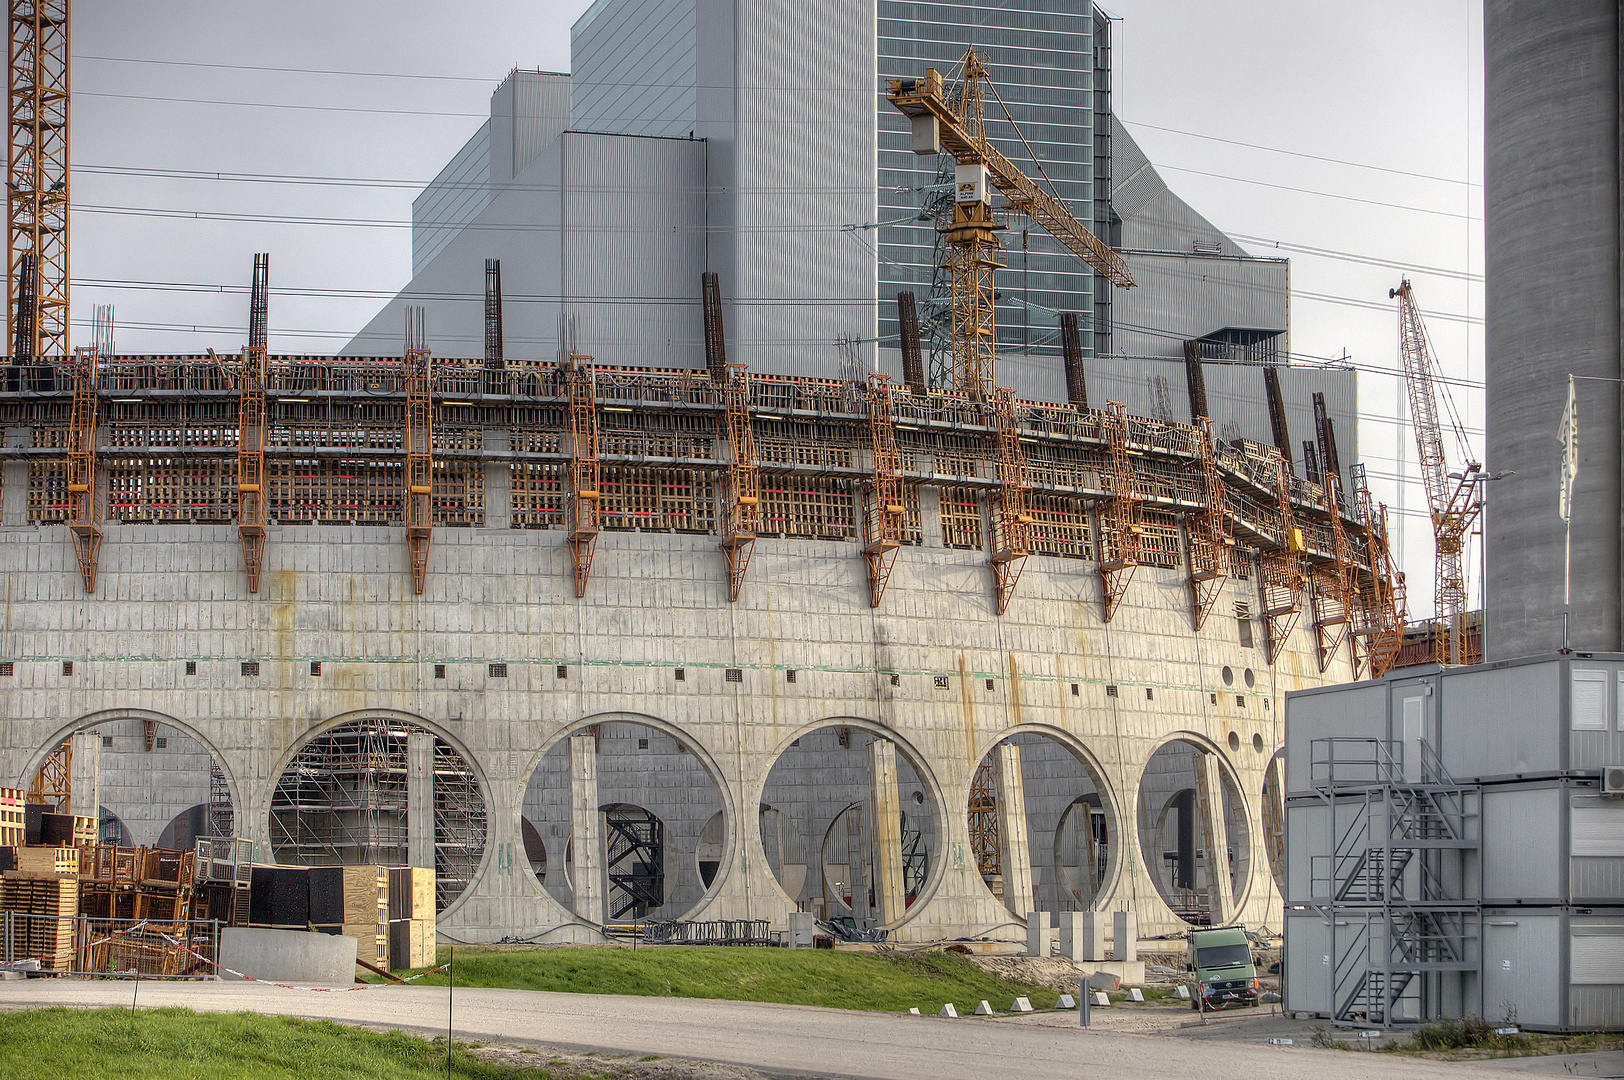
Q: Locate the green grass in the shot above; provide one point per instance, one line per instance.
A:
(178, 1044)
(838, 980)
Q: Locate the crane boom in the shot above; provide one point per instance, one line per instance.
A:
(1452, 506)
(961, 134)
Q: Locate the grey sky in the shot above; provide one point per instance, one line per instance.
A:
(1395, 88)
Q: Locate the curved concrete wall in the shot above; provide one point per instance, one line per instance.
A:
(655, 602)
(1551, 168)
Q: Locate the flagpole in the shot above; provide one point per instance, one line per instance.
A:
(1570, 473)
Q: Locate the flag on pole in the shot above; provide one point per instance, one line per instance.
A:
(1569, 435)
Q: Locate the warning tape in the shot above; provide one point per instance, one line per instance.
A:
(78, 948)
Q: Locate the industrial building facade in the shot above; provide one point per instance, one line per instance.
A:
(605, 630)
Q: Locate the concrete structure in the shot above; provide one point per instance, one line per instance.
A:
(287, 956)
(1439, 864)
(1551, 217)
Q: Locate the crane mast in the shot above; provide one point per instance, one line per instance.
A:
(1452, 500)
(952, 118)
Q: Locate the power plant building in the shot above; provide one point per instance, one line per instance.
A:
(548, 598)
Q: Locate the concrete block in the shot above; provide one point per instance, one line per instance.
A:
(1082, 935)
(1101, 998)
(1022, 1005)
(984, 1009)
(1038, 933)
(1065, 1001)
(1124, 937)
(1135, 994)
(914, 1011)
(949, 1011)
(800, 929)
(1181, 992)
(288, 956)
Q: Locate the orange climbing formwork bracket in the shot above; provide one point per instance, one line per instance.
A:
(1011, 502)
(742, 500)
(883, 506)
(251, 486)
(1120, 531)
(583, 495)
(1281, 572)
(419, 461)
(83, 506)
(1208, 532)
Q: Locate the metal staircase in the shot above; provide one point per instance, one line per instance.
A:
(1399, 887)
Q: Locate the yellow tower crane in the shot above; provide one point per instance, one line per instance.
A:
(1451, 497)
(951, 117)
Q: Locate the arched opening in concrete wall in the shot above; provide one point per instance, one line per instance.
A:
(137, 775)
(1193, 832)
(780, 839)
(1042, 832)
(185, 827)
(850, 828)
(1274, 819)
(637, 857)
(385, 791)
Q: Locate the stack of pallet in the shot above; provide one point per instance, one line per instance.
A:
(107, 881)
(411, 917)
(362, 903)
(221, 873)
(43, 892)
(11, 817)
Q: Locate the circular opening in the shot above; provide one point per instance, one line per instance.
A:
(1234, 741)
(1274, 818)
(349, 797)
(820, 831)
(1187, 795)
(1229, 675)
(156, 786)
(1071, 834)
(1257, 743)
(1251, 679)
(654, 802)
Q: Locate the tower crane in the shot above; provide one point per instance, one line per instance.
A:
(951, 117)
(1452, 499)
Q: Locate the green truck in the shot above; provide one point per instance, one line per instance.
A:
(1222, 968)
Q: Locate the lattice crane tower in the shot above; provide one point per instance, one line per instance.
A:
(37, 179)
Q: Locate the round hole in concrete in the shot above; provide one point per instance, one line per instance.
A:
(1175, 794)
(1257, 743)
(1234, 741)
(1251, 679)
(1229, 675)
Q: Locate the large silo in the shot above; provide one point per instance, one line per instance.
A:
(1551, 119)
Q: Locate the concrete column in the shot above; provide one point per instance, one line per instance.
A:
(890, 900)
(1124, 936)
(85, 775)
(15, 496)
(857, 868)
(1013, 850)
(1038, 933)
(1082, 935)
(930, 509)
(498, 482)
(1209, 806)
(420, 799)
(586, 829)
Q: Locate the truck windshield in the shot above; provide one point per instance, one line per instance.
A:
(1217, 956)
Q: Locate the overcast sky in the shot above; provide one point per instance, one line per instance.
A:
(1347, 137)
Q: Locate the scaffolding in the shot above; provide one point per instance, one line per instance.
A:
(346, 798)
(251, 487)
(883, 505)
(52, 784)
(84, 514)
(741, 515)
(983, 810)
(1119, 516)
(1380, 593)
(1010, 503)
(1208, 533)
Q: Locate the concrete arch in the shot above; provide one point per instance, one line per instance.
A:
(1125, 822)
(701, 754)
(90, 720)
(438, 730)
(917, 760)
(1229, 771)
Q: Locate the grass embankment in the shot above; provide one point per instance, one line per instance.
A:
(110, 1044)
(836, 980)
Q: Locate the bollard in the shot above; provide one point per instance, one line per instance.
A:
(1085, 999)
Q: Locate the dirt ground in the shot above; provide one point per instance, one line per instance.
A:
(615, 1066)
